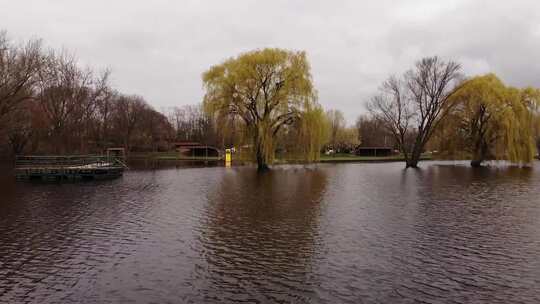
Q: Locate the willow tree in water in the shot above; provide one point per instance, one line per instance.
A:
(491, 121)
(310, 133)
(531, 96)
(267, 89)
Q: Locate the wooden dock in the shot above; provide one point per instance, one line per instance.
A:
(80, 167)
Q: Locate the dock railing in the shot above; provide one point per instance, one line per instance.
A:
(31, 161)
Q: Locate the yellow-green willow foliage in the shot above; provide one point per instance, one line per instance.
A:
(490, 121)
(311, 132)
(266, 89)
(532, 98)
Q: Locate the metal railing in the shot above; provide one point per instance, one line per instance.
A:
(31, 161)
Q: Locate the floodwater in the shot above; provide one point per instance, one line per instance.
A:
(334, 233)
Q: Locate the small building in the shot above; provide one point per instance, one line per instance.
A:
(374, 151)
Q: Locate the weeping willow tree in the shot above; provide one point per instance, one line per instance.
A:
(490, 121)
(309, 133)
(531, 96)
(266, 89)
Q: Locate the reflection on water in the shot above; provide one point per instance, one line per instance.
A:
(346, 233)
(261, 231)
(154, 164)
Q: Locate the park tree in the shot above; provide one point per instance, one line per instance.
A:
(341, 138)
(310, 133)
(103, 112)
(154, 130)
(63, 88)
(19, 66)
(192, 123)
(128, 115)
(531, 96)
(491, 121)
(68, 95)
(267, 89)
(372, 132)
(48, 103)
(19, 126)
(337, 124)
(347, 139)
(410, 107)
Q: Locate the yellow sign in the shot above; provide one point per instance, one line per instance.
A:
(228, 157)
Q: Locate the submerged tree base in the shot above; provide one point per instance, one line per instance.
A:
(476, 163)
(263, 168)
(411, 164)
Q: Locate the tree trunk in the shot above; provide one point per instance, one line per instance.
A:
(478, 160)
(261, 165)
(261, 147)
(17, 145)
(261, 162)
(412, 163)
(479, 154)
(127, 147)
(475, 163)
(414, 158)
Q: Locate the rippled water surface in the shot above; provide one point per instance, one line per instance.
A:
(344, 233)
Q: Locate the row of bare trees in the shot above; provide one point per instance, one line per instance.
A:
(49, 104)
(191, 123)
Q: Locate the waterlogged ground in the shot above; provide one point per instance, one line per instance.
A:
(335, 233)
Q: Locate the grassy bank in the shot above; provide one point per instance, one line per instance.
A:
(338, 158)
(169, 156)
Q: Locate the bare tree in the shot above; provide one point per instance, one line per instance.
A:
(19, 66)
(410, 107)
(48, 103)
(372, 133)
(191, 123)
(156, 130)
(64, 89)
(97, 90)
(128, 113)
(337, 123)
(19, 128)
(103, 113)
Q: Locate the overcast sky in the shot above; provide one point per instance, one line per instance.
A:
(159, 49)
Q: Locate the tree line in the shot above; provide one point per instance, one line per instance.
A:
(264, 104)
(49, 104)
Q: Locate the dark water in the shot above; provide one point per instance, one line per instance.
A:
(346, 233)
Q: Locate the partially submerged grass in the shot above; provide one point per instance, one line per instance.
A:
(356, 158)
(170, 156)
(338, 158)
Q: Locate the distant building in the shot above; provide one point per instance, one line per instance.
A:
(374, 151)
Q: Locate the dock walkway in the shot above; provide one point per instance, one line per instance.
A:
(68, 167)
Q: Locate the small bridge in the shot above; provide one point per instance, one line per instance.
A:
(195, 149)
(68, 167)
